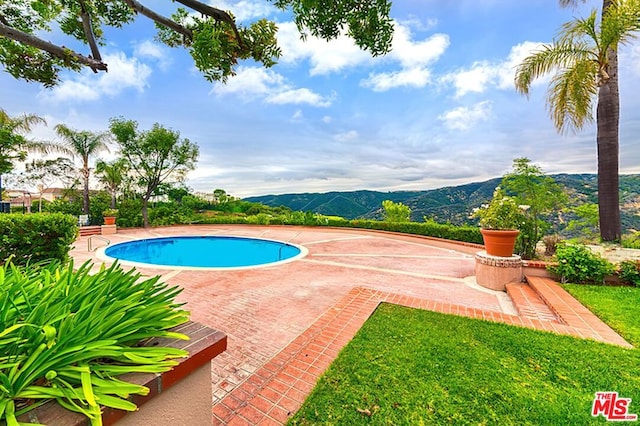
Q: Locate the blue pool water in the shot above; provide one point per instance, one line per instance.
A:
(205, 251)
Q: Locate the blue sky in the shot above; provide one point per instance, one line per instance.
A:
(439, 110)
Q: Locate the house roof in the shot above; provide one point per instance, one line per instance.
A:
(53, 191)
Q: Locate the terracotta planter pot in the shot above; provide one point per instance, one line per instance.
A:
(109, 220)
(499, 242)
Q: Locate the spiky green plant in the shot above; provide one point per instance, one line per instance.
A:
(66, 334)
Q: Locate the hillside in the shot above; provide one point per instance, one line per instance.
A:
(451, 204)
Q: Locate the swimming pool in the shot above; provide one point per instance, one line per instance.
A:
(204, 252)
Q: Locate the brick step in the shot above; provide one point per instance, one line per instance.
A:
(90, 230)
(573, 313)
(528, 303)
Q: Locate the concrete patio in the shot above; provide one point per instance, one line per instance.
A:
(286, 323)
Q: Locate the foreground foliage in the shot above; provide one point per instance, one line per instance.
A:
(617, 306)
(211, 35)
(36, 237)
(408, 366)
(66, 335)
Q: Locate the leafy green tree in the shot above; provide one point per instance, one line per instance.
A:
(83, 144)
(538, 194)
(395, 212)
(14, 144)
(584, 60)
(112, 175)
(586, 222)
(155, 156)
(220, 196)
(43, 173)
(211, 35)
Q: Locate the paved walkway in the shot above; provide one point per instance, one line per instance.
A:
(286, 323)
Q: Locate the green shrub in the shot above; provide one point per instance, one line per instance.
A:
(629, 272)
(66, 334)
(98, 203)
(36, 237)
(260, 219)
(395, 212)
(631, 241)
(578, 264)
(130, 213)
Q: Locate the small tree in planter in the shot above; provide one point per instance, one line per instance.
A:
(66, 335)
(500, 221)
(109, 216)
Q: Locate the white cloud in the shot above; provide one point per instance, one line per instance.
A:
(325, 57)
(244, 9)
(346, 136)
(298, 96)
(414, 58)
(252, 82)
(412, 54)
(341, 53)
(149, 49)
(484, 74)
(414, 77)
(124, 73)
(327, 119)
(297, 115)
(412, 21)
(464, 118)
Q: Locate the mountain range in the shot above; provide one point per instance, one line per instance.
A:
(450, 204)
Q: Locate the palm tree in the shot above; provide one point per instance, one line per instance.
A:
(584, 60)
(14, 145)
(112, 175)
(83, 144)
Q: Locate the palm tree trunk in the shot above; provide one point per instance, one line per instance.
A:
(85, 192)
(608, 158)
(608, 117)
(85, 197)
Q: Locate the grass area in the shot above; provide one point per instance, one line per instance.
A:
(617, 306)
(408, 366)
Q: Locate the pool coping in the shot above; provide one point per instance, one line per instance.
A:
(101, 255)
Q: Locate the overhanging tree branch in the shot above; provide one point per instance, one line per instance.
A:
(138, 7)
(88, 31)
(217, 14)
(55, 50)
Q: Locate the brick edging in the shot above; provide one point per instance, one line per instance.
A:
(277, 389)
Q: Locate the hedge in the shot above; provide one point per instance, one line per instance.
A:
(469, 234)
(36, 237)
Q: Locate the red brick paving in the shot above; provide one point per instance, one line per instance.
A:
(286, 323)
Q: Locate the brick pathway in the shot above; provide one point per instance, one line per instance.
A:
(286, 323)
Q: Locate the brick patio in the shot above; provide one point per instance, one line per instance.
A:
(286, 323)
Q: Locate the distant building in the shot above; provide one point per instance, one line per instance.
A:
(52, 194)
(19, 198)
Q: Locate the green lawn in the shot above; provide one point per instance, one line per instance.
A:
(617, 306)
(412, 367)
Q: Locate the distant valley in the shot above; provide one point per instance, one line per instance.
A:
(450, 204)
